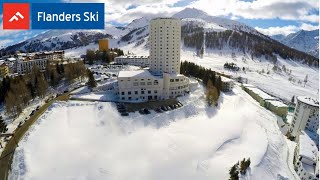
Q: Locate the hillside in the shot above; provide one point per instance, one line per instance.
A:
(306, 41)
(199, 31)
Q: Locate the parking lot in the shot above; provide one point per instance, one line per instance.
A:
(146, 107)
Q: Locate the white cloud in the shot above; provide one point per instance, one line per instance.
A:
(261, 9)
(308, 27)
(285, 30)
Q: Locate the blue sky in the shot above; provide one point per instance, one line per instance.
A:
(268, 16)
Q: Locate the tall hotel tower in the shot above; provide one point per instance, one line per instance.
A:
(165, 37)
(163, 79)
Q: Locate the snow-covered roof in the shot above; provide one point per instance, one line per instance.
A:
(308, 100)
(137, 73)
(260, 93)
(132, 56)
(248, 85)
(307, 147)
(224, 79)
(277, 103)
(11, 59)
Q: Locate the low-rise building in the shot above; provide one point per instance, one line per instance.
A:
(134, 60)
(306, 158)
(258, 94)
(277, 107)
(227, 84)
(175, 85)
(4, 70)
(139, 86)
(26, 66)
(50, 55)
(306, 116)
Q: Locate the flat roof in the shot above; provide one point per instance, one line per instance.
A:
(308, 100)
(136, 73)
(277, 103)
(225, 79)
(132, 56)
(260, 93)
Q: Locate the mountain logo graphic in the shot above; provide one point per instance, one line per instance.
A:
(16, 16)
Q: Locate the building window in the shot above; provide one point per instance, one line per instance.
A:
(142, 83)
(135, 84)
(129, 92)
(155, 91)
(171, 80)
(149, 92)
(142, 92)
(122, 93)
(135, 92)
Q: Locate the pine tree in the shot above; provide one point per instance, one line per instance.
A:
(3, 126)
(243, 166)
(234, 172)
(305, 80)
(292, 99)
(91, 82)
(42, 86)
(212, 94)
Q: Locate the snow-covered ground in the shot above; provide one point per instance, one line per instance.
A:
(275, 83)
(84, 140)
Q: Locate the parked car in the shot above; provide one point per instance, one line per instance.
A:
(171, 106)
(20, 124)
(32, 113)
(38, 107)
(141, 111)
(146, 111)
(163, 108)
(158, 110)
(124, 114)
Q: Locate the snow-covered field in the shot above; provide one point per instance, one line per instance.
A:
(84, 140)
(275, 83)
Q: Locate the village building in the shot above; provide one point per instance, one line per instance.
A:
(134, 60)
(24, 67)
(227, 84)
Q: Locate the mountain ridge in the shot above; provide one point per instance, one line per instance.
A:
(194, 21)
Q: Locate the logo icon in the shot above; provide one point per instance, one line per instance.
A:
(16, 16)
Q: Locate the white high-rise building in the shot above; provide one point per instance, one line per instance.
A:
(165, 37)
(306, 116)
(164, 80)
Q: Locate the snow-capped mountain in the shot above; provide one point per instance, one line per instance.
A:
(306, 41)
(213, 23)
(198, 29)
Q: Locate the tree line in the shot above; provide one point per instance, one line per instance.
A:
(208, 77)
(17, 92)
(104, 56)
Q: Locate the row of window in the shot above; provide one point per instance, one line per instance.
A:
(137, 92)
